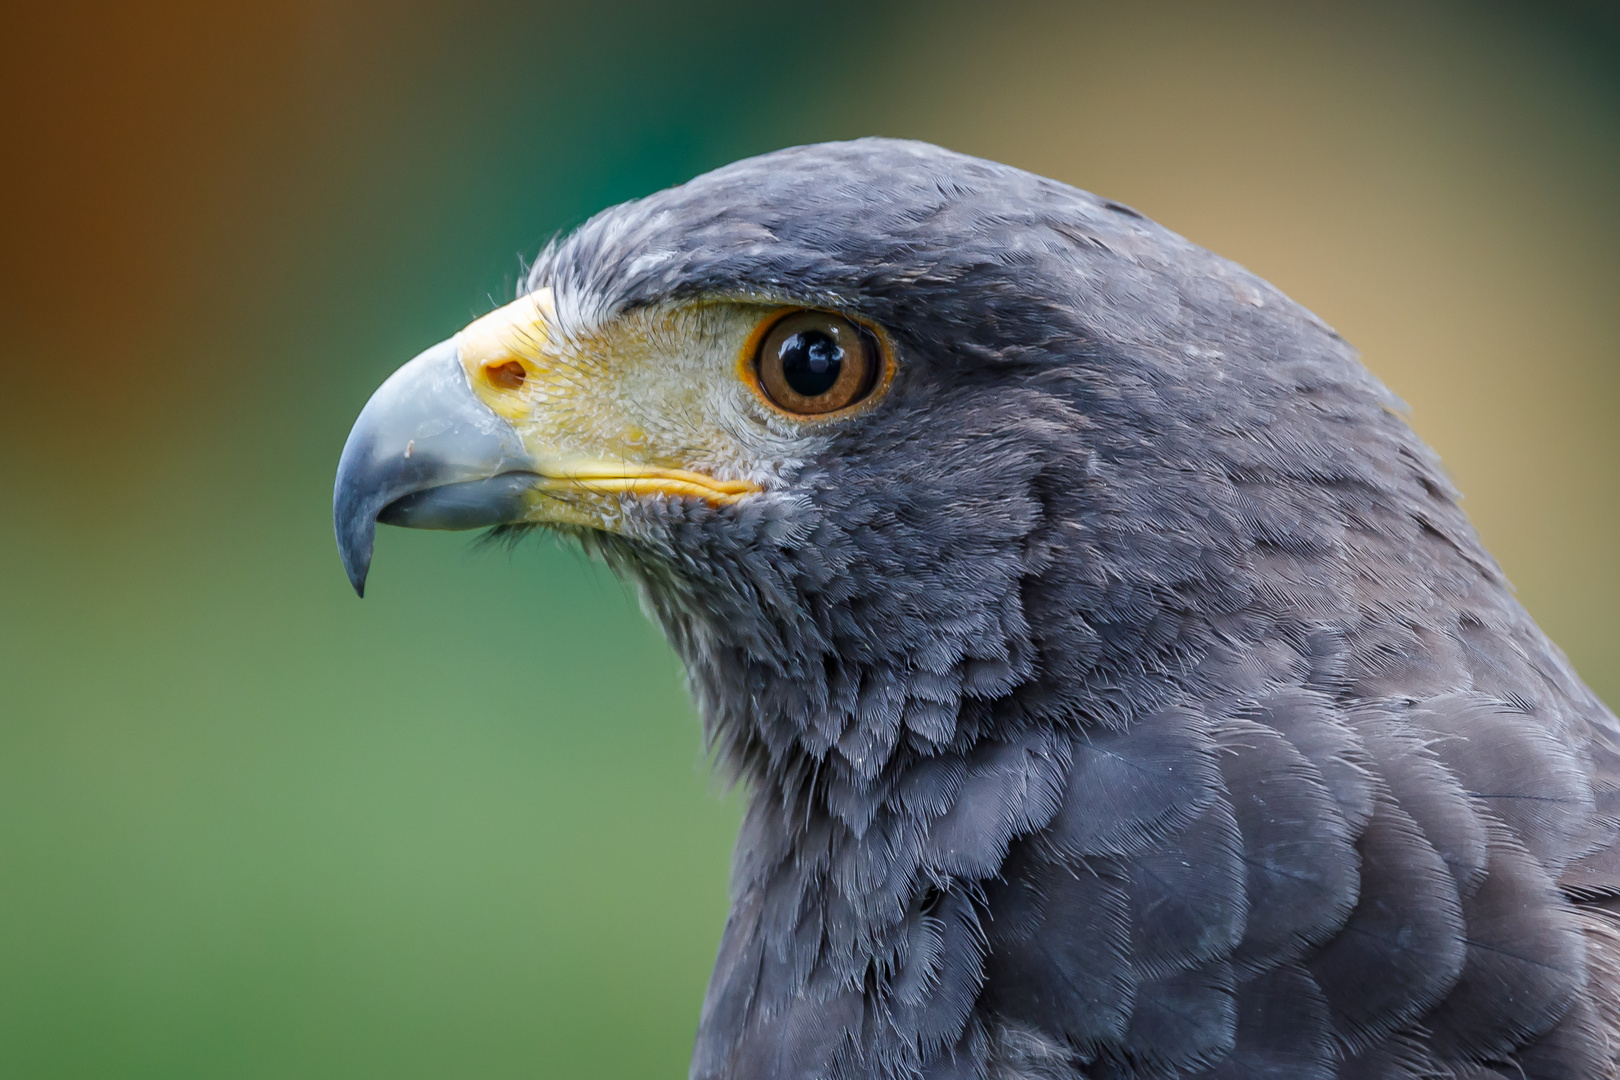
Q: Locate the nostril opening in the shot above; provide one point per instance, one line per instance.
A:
(507, 376)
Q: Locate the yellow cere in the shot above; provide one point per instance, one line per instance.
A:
(503, 351)
(637, 407)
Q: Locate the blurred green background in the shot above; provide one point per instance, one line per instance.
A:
(253, 827)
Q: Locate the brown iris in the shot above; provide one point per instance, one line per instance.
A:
(814, 362)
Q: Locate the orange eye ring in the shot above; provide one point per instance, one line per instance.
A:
(812, 363)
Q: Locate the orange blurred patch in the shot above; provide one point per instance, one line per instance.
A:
(127, 126)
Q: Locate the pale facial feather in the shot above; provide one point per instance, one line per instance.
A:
(666, 387)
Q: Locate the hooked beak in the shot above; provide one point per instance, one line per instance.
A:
(426, 453)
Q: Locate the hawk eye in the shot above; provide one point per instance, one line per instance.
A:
(813, 362)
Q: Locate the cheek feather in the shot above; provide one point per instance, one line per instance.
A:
(666, 393)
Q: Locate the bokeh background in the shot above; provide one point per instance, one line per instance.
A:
(253, 827)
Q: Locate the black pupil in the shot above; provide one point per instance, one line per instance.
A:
(811, 361)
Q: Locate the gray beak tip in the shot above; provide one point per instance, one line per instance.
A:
(425, 453)
(358, 566)
(355, 525)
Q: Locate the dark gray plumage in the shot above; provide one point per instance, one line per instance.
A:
(1126, 695)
